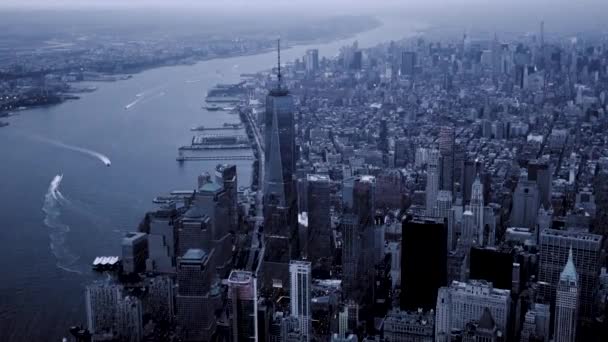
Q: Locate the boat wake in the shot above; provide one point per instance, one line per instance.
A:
(192, 81)
(143, 97)
(54, 201)
(132, 104)
(104, 159)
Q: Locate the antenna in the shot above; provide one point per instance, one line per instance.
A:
(279, 62)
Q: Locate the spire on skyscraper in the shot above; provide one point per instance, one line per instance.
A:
(279, 63)
(569, 271)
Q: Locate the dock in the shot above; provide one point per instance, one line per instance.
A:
(214, 147)
(204, 158)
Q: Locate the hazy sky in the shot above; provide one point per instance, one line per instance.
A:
(501, 12)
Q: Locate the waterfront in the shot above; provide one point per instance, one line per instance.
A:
(61, 206)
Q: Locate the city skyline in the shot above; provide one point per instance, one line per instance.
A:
(442, 183)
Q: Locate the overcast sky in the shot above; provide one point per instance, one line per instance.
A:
(557, 12)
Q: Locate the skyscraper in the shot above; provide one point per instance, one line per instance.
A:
(566, 303)
(447, 136)
(423, 263)
(408, 63)
(225, 174)
(242, 306)
(432, 179)
(300, 274)
(586, 248)
(525, 204)
(195, 312)
(319, 219)
(350, 253)
(540, 172)
(477, 207)
(312, 61)
(280, 159)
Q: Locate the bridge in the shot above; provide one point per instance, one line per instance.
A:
(203, 158)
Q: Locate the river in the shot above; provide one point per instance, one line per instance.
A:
(61, 205)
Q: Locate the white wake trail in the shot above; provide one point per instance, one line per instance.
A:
(53, 203)
(103, 158)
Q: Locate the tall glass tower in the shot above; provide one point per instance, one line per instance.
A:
(280, 160)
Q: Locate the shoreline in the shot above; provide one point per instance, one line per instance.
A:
(187, 61)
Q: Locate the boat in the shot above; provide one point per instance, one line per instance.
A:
(213, 107)
(3, 124)
(198, 128)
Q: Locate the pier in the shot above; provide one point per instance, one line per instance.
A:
(205, 158)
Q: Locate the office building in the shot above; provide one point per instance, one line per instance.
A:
(432, 179)
(350, 253)
(101, 301)
(416, 326)
(477, 207)
(566, 303)
(318, 240)
(162, 237)
(493, 265)
(242, 306)
(526, 202)
(300, 290)
(195, 309)
(159, 301)
(536, 324)
(389, 190)
(312, 61)
(554, 250)
(424, 249)
(461, 303)
(225, 174)
(134, 252)
(129, 313)
(540, 171)
(280, 161)
(408, 63)
(447, 137)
